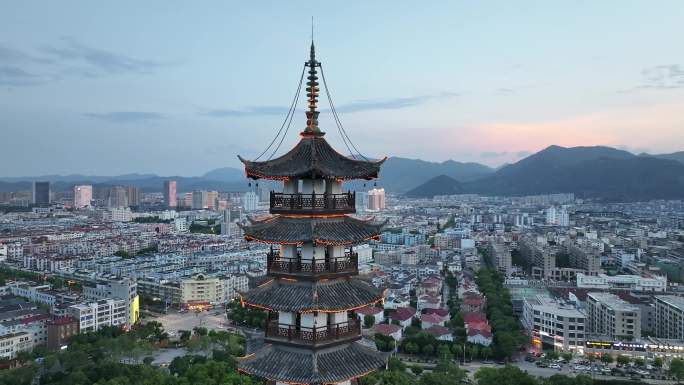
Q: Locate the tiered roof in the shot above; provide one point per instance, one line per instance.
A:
(298, 366)
(339, 230)
(329, 295)
(312, 158)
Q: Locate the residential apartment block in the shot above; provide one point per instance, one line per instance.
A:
(609, 315)
(669, 317)
(554, 324)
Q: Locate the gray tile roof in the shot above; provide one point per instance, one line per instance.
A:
(312, 157)
(341, 230)
(335, 364)
(330, 295)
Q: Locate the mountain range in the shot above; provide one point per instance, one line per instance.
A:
(596, 172)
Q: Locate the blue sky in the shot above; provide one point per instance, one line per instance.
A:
(179, 88)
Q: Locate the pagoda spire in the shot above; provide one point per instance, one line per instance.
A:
(312, 94)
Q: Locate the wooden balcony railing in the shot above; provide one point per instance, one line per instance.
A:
(347, 264)
(318, 335)
(344, 203)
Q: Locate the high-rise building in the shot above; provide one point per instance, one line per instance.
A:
(361, 201)
(539, 257)
(42, 194)
(557, 216)
(83, 195)
(669, 317)
(250, 201)
(226, 222)
(611, 316)
(170, 193)
(311, 333)
(117, 197)
(501, 255)
(199, 200)
(133, 195)
(376, 199)
(212, 200)
(187, 200)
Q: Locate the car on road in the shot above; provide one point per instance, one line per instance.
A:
(617, 372)
(555, 366)
(542, 364)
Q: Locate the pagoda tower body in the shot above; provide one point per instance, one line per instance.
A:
(312, 290)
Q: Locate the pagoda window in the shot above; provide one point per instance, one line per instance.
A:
(287, 318)
(335, 251)
(311, 251)
(333, 186)
(313, 320)
(291, 186)
(338, 318)
(313, 186)
(289, 251)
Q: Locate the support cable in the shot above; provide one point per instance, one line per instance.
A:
(289, 113)
(338, 122)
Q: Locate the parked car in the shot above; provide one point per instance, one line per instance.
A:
(555, 366)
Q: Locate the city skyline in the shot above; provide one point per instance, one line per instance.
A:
(489, 83)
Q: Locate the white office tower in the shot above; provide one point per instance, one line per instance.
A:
(557, 216)
(250, 201)
(82, 196)
(199, 200)
(361, 201)
(225, 222)
(376, 199)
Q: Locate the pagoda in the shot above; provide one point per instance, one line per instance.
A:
(312, 332)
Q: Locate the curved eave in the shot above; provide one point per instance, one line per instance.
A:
(333, 231)
(329, 297)
(312, 157)
(302, 367)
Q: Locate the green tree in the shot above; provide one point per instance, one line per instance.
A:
(368, 321)
(444, 353)
(410, 348)
(658, 362)
(622, 360)
(395, 364)
(486, 352)
(567, 356)
(607, 359)
(639, 361)
(677, 368)
(417, 370)
(509, 375)
(427, 350)
(185, 335)
(445, 373)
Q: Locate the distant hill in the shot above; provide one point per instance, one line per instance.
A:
(225, 174)
(439, 185)
(598, 172)
(678, 156)
(402, 174)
